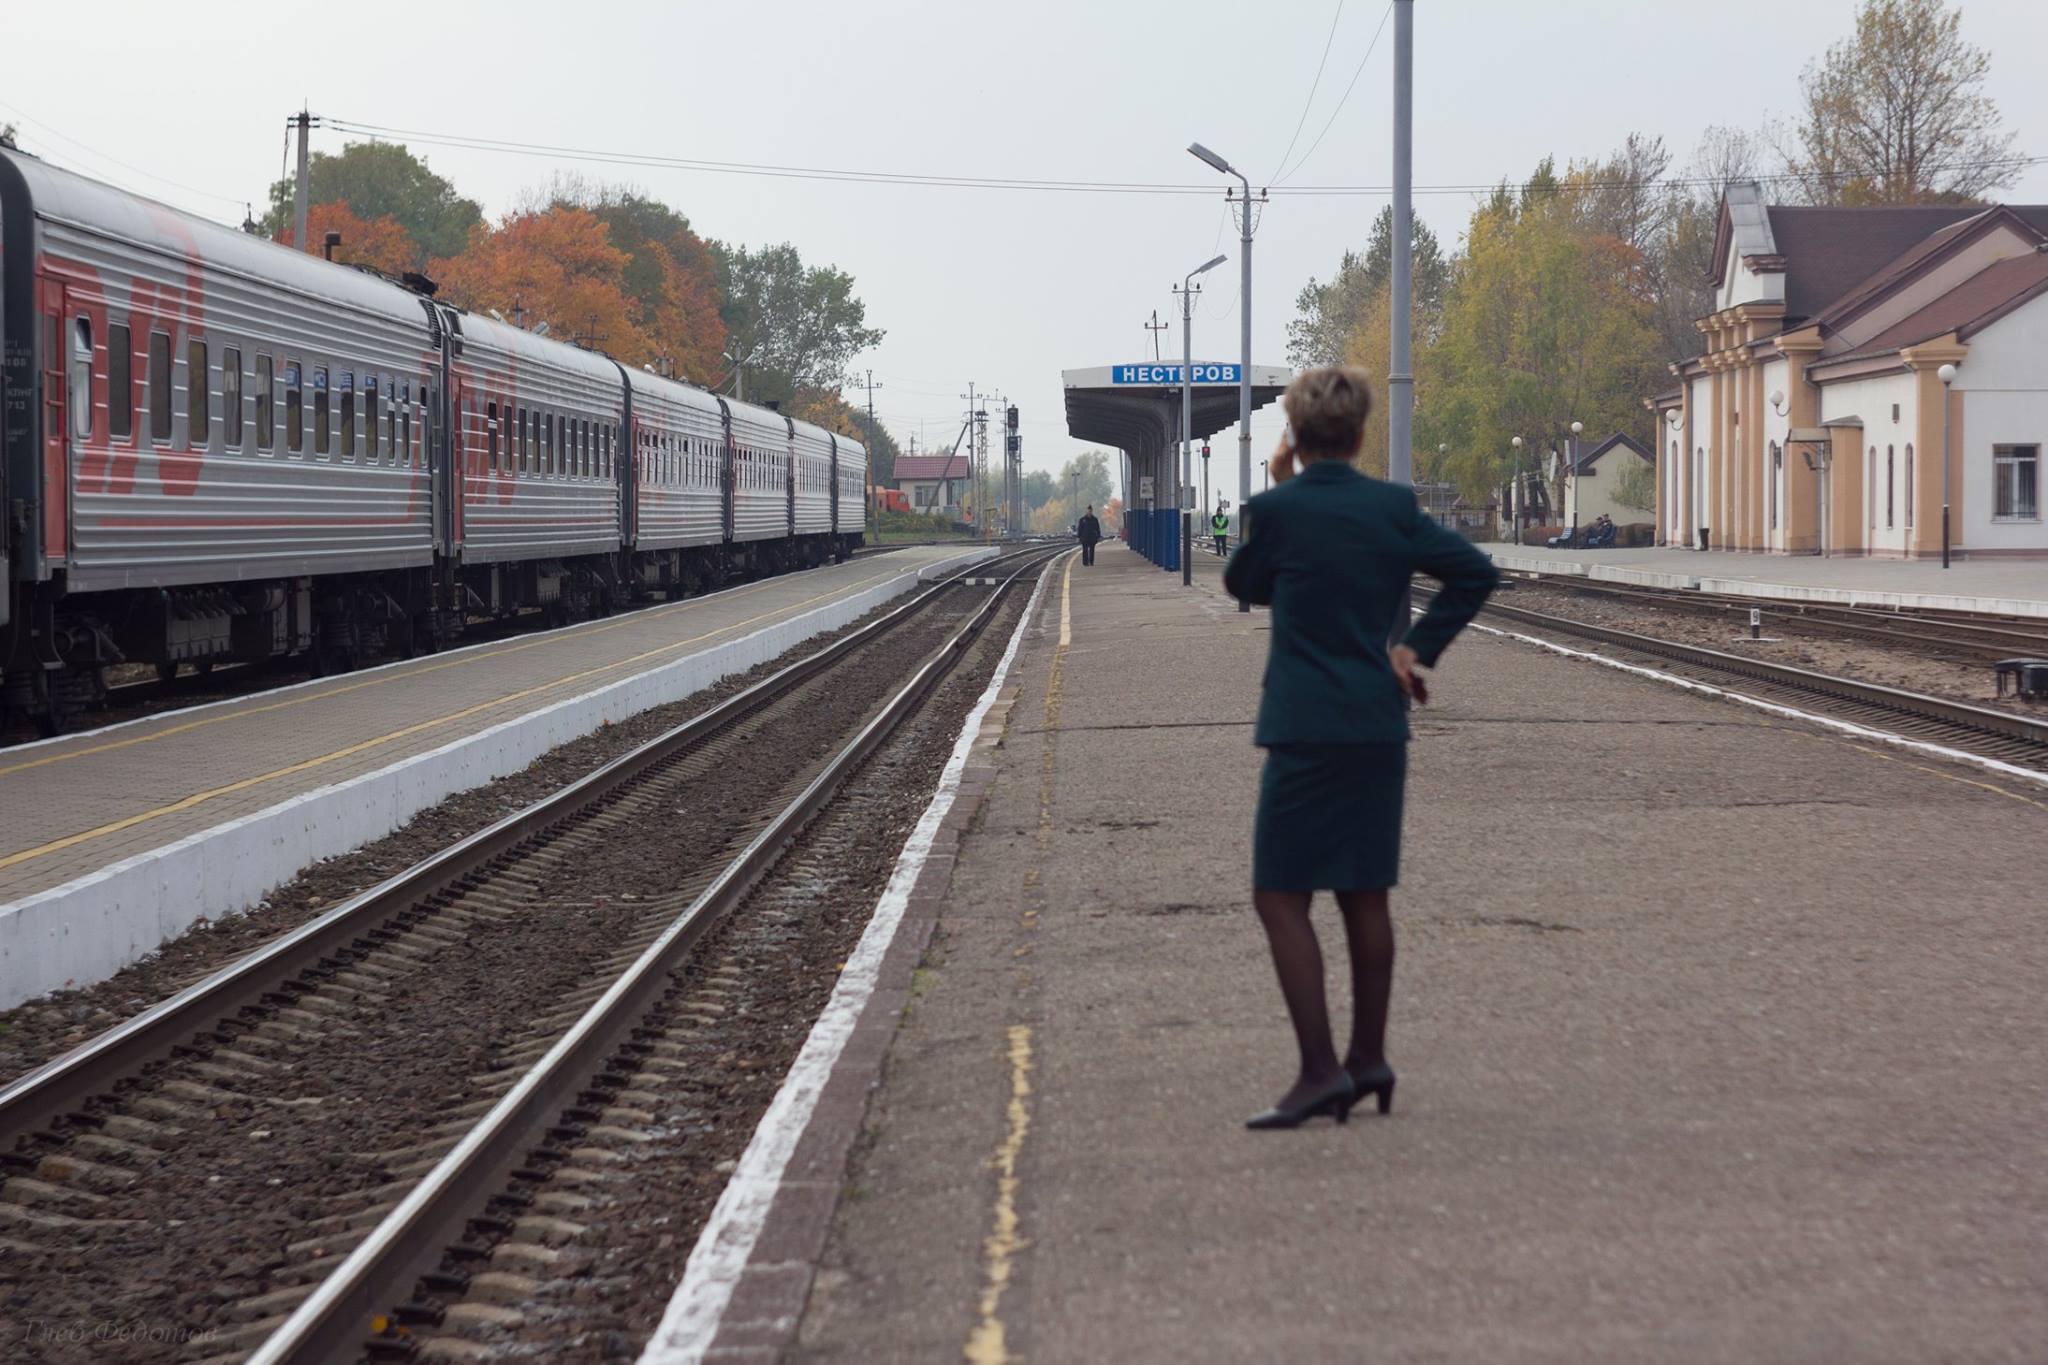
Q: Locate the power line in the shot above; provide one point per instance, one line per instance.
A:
(26, 117)
(1313, 86)
(899, 178)
(1346, 95)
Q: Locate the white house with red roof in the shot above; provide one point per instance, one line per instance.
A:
(1814, 421)
(935, 483)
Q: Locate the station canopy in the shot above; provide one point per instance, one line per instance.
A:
(1136, 407)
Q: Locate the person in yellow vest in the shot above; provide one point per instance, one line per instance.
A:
(1219, 527)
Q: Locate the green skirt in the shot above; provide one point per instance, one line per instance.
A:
(1329, 817)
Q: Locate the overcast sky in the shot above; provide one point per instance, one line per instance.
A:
(1001, 287)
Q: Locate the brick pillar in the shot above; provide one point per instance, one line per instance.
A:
(1800, 514)
(1926, 361)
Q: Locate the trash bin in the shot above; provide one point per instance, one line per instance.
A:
(1704, 533)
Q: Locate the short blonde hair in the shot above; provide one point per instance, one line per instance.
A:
(1327, 408)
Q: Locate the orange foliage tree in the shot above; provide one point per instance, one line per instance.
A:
(557, 266)
(381, 244)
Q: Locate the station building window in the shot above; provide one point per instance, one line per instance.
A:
(2016, 483)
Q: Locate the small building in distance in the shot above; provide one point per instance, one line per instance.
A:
(1594, 484)
(934, 484)
(1814, 422)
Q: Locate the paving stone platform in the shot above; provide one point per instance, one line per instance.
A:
(1718, 1039)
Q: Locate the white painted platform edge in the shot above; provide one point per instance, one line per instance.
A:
(1790, 592)
(1846, 727)
(89, 928)
(690, 1323)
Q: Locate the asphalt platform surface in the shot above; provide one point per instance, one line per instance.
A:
(1718, 1037)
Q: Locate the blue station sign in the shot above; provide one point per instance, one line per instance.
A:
(1158, 374)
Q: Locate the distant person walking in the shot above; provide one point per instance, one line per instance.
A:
(1331, 551)
(1090, 531)
(1219, 527)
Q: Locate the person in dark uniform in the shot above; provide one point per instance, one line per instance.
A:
(1219, 527)
(1332, 551)
(1089, 530)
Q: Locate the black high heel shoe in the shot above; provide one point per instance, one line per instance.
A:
(1377, 1082)
(1334, 1099)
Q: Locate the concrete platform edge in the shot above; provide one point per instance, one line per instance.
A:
(1790, 592)
(84, 931)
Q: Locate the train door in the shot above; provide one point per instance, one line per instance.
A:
(789, 479)
(832, 480)
(727, 480)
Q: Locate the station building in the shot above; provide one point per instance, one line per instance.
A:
(1813, 421)
(935, 483)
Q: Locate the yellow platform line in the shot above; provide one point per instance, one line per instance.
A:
(197, 798)
(396, 675)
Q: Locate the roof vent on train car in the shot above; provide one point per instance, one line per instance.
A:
(419, 284)
(433, 321)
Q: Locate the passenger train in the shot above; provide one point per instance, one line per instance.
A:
(216, 448)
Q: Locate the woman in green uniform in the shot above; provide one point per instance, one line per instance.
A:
(1332, 552)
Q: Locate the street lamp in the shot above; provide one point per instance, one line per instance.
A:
(1515, 486)
(1572, 473)
(1182, 514)
(1265, 481)
(1244, 312)
(1947, 375)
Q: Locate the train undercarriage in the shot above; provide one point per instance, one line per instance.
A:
(59, 653)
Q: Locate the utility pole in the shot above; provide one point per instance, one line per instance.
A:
(305, 122)
(869, 494)
(1013, 459)
(1155, 327)
(1400, 367)
(1188, 290)
(973, 463)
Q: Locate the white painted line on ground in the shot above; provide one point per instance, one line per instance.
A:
(1845, 726)
(691, 1321)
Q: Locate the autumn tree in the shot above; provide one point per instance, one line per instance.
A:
(1896, 113)
(1544, 325)
(1329, 313)
(378, 180)
(382, 245)
(794, 326)
(556, 267)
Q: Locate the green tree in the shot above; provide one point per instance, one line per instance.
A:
(1636, 488)
(794, 326)
(1896, 113)
(1329, 314)
(881, 446)
(380, 179)
(1545, 325)
(1038, 489)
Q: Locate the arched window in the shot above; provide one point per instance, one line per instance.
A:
(1870, 485)
(1909, 483)
(1891, 485)
(1777, 472)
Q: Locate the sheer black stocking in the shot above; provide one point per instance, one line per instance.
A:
(1369, 931)
(1298, 960)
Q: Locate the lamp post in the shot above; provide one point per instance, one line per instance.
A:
(1182, 514)
(1244, 374)
(1572, 472)
(1265, 481)
(1436, 476)
(1947, 375)
(1515, 485)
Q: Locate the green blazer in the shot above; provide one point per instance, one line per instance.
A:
(1332, 551)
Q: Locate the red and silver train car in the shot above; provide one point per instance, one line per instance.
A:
(216, 448)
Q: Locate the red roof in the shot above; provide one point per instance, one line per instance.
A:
(931, 467)
(1970, 307)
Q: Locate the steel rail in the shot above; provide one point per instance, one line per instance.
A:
(1976, 720)
(1988, 636)
(63, 1084)
(333, 1322)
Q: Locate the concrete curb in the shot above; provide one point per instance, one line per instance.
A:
(1789, 592)
(89, 928)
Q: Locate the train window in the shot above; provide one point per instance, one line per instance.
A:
(524, 427)
(198, 386)
(80, 396)
(604, 452)
(321, 421)
(231, 396)
(491, 433)
(348, 416)
(369, 419)
(565, 456)
(393, 452)
(294, 409)
(120, 382)
(266, 403)
(159, 386)
(405, 428)
(583, 446)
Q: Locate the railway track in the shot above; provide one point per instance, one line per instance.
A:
(549, 952)
(1973, 636)
(2008, 738)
